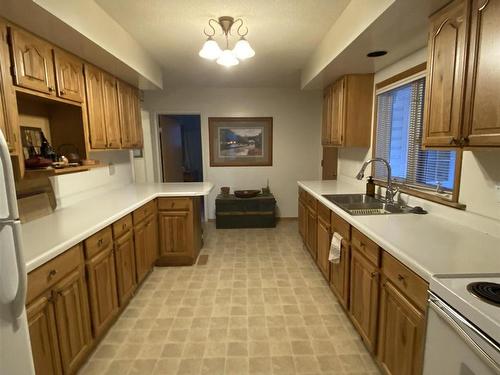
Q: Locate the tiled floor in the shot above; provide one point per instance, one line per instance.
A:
(260, 306)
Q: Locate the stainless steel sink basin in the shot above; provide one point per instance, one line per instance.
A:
(362, 204)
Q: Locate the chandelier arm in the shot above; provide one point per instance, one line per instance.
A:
(211, 26)
(239, 28)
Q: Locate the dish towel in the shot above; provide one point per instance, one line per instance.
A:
(335, 245)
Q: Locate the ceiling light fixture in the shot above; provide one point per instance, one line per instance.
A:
(227, 57)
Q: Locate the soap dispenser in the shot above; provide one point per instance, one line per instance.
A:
(370, 187)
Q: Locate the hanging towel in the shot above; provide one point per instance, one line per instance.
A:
(335, 246)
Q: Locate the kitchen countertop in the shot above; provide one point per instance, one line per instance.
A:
(47, 237)
(427, 244)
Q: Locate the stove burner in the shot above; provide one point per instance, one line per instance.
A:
(488, 292)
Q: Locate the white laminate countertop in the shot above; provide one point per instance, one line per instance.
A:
(47, 237)
(427, 244)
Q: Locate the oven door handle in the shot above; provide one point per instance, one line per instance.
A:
(466, 330)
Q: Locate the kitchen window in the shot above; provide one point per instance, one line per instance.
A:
(431, 174)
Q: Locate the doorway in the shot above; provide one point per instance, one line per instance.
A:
(180, 148)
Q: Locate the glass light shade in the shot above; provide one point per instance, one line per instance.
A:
(227, 58)
(242, 49)
(210, 50)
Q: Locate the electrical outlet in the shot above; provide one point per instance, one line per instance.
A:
(497, 193)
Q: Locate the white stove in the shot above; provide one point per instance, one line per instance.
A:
(463, 328)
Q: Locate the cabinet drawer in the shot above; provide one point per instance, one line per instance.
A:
(366, 246)
(122, 226)
(45, 276)
(412, 285)
(341, 226)
(174, 204)
(311, 202)
(98, 242)
(143, 212)
(324, 213)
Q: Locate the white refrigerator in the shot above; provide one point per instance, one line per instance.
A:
(15, 348)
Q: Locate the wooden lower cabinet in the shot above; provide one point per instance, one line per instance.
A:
(339, 276)
(125, 267)
(302, 219)
(141, 254)
(72, 320)
(401, 333)
(101, 278)
(311, 234)
(364, 297)
(152, 240)
(323, 247)
(179, 226)
(43, 335)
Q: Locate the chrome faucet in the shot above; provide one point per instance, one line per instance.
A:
(390, 192)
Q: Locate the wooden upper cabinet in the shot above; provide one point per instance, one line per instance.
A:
(95, 107)
(483, 86)
(111, 113)
(125, 105)
(445, 85)
(401, 333)
(8, 104)
(69, 76)
(136, 118)
(347, 111)
(33, 61)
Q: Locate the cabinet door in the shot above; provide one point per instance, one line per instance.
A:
(324, 238)
(141, 254)
(33, 62)
(337, 113)
(364, 297)
(72, 320)
(311, 239)
(445, 80)
(152, 239)
(127, 124)
(401, 333)
(125, 267)
(339, 276)
(69, 76)
(43, 336)
(8, 103)
(174, 232)
(95, 107)
(136, 119)
(483, 90)
(111, 113)
(326, 128)
(101, 277)
(302, 219)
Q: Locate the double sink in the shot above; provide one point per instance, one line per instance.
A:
(362, 204)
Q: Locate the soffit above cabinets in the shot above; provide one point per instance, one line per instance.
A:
(83, 28)
(401, 30)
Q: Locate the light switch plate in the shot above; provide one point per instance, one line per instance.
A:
(497, 193)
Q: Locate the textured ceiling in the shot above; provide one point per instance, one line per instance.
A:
(283, 34)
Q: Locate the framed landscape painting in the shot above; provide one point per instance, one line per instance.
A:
(240, 141)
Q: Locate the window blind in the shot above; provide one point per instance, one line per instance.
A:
(399, 140)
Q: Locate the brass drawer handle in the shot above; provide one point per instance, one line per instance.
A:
(52, 273)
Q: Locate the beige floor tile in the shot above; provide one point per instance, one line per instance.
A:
(283, 365)
(237, 366)
(306, 364)
(260, 365)
(213, 366)
(190, 366)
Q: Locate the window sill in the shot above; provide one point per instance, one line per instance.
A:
(424, 195)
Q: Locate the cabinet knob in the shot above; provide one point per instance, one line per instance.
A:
(374, 274)
(99, 243)
(62, 92)
(124, 226)
(51, 88)
(453, 141)
(52, 273)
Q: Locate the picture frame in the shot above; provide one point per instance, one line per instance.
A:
(240, 141)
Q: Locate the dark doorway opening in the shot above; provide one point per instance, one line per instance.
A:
(180, 146)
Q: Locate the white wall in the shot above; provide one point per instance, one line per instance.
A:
(71, 188)
(296, 135)
(480, 169)
(144, 166)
